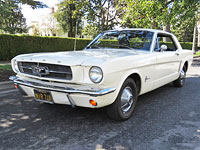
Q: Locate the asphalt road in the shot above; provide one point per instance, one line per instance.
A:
(165, 119)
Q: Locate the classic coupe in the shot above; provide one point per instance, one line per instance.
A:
(111, 72)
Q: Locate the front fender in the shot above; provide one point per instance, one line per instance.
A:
(118, 78)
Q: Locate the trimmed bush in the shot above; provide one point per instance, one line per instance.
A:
(12, 45)
(186, 45)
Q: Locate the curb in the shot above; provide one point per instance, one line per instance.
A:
(5, 82)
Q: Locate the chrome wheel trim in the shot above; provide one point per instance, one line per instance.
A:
(126, 99)
(182, 76)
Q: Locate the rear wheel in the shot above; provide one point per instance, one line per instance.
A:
(181, 80)
(124, 105)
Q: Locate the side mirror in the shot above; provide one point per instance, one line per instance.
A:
(163, 48)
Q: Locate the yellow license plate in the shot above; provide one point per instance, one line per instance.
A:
(43, 96)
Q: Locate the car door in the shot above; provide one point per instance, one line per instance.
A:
(167, 61)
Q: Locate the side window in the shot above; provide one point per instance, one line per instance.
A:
(163, 39)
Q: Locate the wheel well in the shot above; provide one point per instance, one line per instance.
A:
(186, 65)
(137, 79)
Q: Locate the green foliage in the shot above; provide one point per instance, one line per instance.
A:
(197, 54)
(90, 30)
(186, 45)
(177, 15)
(11, 17)
(67, 17)
(147, 13)
(98, 13)
(34, 4)
(185, 19)
(102, 13)
(12, 45)
(139, 13)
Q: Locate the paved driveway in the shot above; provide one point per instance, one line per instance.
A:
(166, 118)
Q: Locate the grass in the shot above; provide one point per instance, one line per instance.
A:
(197, 53)
(6, 67)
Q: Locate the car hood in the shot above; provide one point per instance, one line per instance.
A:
(73, 58)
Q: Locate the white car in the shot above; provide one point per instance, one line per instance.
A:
(112, 71)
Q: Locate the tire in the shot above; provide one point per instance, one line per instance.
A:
(124, 105)
(181, 80)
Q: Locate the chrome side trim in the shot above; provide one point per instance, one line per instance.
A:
(67, 90)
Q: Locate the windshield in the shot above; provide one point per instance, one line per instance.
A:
(126, 39)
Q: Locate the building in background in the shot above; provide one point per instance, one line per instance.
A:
(47, 25)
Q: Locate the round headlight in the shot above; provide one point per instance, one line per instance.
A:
(96, 74)
(15, 66)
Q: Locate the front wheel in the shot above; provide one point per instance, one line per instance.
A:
(124, 105)
(181, 80)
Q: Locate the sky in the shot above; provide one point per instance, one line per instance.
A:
(34, 14)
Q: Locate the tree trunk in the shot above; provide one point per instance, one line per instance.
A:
(167, 29)
(155, 24)
(71, 26)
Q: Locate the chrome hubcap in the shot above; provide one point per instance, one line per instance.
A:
(182, 76)
(126, 99)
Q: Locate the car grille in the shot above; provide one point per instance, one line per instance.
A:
(45, 70)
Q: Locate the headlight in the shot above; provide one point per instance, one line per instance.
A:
(96, 74)
(14, 65)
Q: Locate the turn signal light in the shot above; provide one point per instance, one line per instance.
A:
(93, 102)
(16, 86)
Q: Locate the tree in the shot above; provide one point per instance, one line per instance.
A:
(90, 30)
(34, 4)
(65, 16)
(138, 13)
(102, 13)
(164, 14)
(183, 24)
(99, 13)
(11, 17)
(184, 30)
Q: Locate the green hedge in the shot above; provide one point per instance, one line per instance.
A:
(186, 45)
(12, 45)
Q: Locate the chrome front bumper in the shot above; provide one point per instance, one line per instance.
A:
(68, 90)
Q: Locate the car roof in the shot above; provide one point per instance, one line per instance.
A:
(142, 29)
